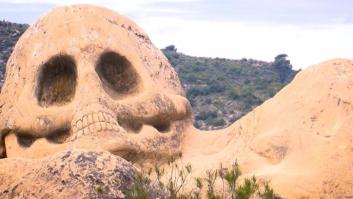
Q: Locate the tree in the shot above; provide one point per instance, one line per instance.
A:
(170, 48)
(283, 66)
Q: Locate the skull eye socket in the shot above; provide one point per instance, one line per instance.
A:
(117, 74)
(57, 81)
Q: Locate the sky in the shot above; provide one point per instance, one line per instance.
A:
(308, 31)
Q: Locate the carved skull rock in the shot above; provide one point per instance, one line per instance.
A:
(86, 77)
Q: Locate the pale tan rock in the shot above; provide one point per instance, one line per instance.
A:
(67, 174)
(301, 139)
(86, 77)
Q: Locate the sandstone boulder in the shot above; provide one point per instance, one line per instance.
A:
(67, 174)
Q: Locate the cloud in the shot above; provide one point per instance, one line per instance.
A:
(22, 13)
(267, 11)
(308, 31)
(304, 45)
(132, 8)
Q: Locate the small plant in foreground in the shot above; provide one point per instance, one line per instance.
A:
(180, 176)
(268, 192)
(231, 176)
(211, 179)
(139, 190)
(247, 189)
(100, 189)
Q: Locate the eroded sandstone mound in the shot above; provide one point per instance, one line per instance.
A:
(301, 139)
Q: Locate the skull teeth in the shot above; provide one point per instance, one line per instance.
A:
(100, 117)
(95, 117)
(85, 121)
(90, 119)
(93, 123)
(78, 125)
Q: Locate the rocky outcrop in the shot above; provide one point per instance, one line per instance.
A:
(84, 76)
(68, 174)
(300, 140)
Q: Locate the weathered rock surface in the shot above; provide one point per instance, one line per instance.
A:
(86, 77)
(68, 174)
(301, 139)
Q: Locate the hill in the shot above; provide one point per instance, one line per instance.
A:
(9, 34)
(301, 139)
(220, 90)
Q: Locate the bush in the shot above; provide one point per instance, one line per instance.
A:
(170, 48)
(139, 190)
(215, 88)
(218, 121)
(206, 115)
(233, 94)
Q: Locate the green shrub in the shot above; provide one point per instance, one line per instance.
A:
(217, 121)
(145, 186)
(268, 192)
(247, 189)
(139, 190)
(100, 189)
(206, 115)
(233, 93)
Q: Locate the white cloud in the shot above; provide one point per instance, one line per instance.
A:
(100, 2)
(304, 45)
(121, 6)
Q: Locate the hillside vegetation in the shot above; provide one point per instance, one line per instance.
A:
(9, 34)
(220, 90)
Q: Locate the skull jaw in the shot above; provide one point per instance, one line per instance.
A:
(156, 140)
(147, 146)
(41, 147)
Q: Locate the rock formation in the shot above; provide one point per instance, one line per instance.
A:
(84, 81)
(67, 174)
(301, 139)
(86, 77)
